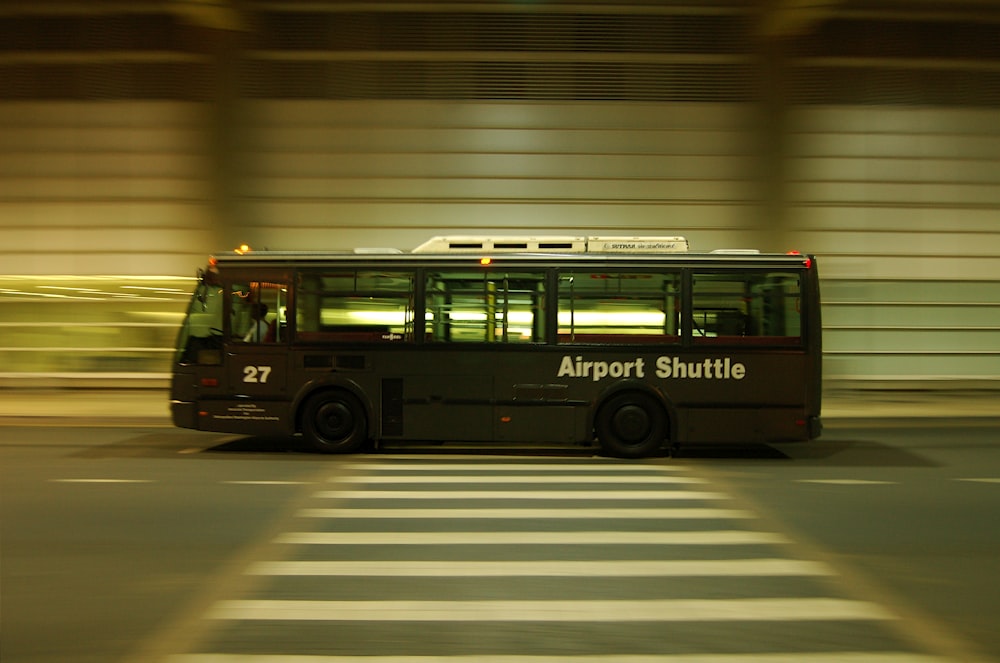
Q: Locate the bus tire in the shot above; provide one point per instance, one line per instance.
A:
(334, 422)
(631, 425)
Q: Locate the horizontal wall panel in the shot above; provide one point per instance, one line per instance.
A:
(109, 216)
(915, 340)
(100, 187)
(901, 146)
(554, 189)
(138, 240)
(905, 193)
(108, 164)
(896, 193)
(918, 294)
(899, 219)
(635, 116)
(878, 120)
(498, 140)
(898, 146)
(886, 171)
(83, 116)
(87, 189)
(508, 166)
(440, 217)
(95, 261)
(894, 315)
(137, 140)
(939, 244)
(500, 166)
(916, 268)
(911, 367)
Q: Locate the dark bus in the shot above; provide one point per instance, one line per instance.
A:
(634, 344)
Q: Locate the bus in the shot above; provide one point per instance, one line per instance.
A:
(635, 345)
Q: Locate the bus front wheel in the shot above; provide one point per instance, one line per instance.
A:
(631, 425)
(334, 422)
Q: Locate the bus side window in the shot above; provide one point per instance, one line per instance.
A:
(485, 307)
(354, 306)
(619, 307)
(259, 312)
(751, 307)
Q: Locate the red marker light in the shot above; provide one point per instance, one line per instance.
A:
(807, 262)
(209, 382)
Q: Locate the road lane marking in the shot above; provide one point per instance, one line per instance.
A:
(981, 479)
(592, 514)
(486, 466)
(103, 480)
(265, 483)
(549, 568)
(523, 495)
(847, 482)
(718, 537)
(654, 610)
(587, 479)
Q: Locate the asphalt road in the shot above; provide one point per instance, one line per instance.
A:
(144, 544)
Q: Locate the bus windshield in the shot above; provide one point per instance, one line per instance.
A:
(200, 338)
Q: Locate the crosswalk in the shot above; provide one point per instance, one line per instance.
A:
(414, 559)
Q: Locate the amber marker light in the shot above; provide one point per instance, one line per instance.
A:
(243, 249)
(484, 261)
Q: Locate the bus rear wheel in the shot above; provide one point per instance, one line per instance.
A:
(334, 422)
(631, 425)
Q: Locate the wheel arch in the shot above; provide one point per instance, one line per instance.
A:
(622, 386)
(333, 383)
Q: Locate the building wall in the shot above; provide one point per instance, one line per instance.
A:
(903, 205)
(136, 140)
(105, 187)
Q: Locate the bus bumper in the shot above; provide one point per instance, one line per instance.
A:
(240, 416)
(815, 427)
(184, 414)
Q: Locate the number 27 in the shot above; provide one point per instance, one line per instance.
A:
(256, 374)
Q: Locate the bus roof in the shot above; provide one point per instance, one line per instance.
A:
(457, 249)
(618, 261)
(552, 244)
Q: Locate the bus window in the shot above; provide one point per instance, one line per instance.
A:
(258, 312)
(485, 307)
(201, 335)
(746, 307)
(354, 306)
(619, 307)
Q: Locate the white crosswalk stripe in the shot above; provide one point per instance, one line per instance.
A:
(529, 513)
(419, 559)
(526, 495)
(607, 569)
(813, 657)
(709, 537)
(550, 611)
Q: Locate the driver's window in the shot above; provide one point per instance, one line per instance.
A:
(259, 312)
